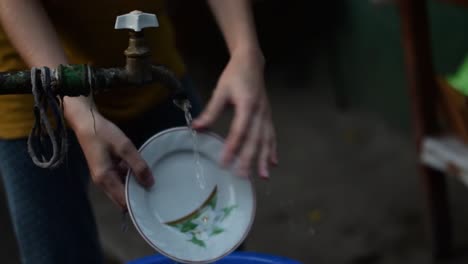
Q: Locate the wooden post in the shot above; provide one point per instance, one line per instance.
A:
(423, 94)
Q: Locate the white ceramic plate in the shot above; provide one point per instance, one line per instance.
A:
(190, 218)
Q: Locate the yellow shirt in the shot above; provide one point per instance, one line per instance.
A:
(87, 32)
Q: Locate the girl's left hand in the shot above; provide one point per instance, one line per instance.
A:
(252, 134)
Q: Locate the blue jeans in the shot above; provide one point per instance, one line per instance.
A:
(51, 213)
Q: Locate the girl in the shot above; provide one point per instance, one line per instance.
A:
(50, 210)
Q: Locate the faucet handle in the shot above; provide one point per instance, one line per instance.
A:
(136, 21)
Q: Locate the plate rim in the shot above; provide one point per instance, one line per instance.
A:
(162, 252)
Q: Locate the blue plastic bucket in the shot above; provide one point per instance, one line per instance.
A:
(234, 258)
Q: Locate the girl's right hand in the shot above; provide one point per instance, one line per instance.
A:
(108, 151)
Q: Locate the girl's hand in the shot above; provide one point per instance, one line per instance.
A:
(252, 134)
(109, 153)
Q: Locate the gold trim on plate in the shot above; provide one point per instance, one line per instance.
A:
(190, 215)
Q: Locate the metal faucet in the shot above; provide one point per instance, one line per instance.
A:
(138, 66)
(76, 80)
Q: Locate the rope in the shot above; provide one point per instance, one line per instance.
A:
(45, 100)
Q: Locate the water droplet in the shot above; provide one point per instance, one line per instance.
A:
(312, 231)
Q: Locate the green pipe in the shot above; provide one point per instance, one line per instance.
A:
(76, 80)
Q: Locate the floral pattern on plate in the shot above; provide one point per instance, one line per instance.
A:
(204, 222)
